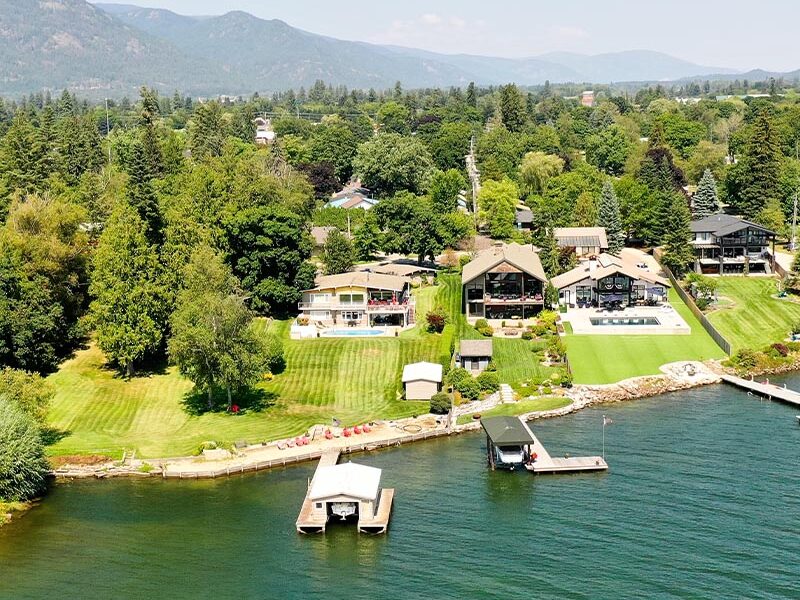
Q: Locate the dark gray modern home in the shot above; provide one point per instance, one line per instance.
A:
(724, 244)
(505, 281)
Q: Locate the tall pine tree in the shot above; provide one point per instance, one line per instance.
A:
(706, 202)
(608, 216)
(128, 310)
(678, 253)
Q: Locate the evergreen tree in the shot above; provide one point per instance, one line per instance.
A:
(23, 160)
(755, 179)
(512, 107)
(337, 253)
(207, 130)
(706, 202)
(472, 98)
(550, 254)
(149, 139)
(678, 253)
(141, 196)
(608, 216)
(128, 310)
(658, 169)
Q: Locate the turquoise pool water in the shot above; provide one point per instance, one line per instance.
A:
(702, 501)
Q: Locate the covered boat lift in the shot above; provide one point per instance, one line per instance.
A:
(509, 442)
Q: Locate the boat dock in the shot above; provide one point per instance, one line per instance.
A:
(308, 521)
(546, 464)
(379, 523)
(768, 390)
(345, 490)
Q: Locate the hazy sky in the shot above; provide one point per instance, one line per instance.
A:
(739, 34)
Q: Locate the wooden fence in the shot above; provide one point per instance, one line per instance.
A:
(718, 338)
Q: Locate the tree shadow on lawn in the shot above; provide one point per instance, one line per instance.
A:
(53, 435)
(145, 368)
(255, 400)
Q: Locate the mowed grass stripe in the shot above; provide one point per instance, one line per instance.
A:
(756, 318)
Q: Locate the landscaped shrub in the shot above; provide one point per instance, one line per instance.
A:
(527, 335)
(440, 403)
(547, 390)
(463, 260)
(746, 358)
(556, 349)
(566, 380)
(540, 330)
(302, 321)
(548, 318)
(457, 375)
(781, 349)
(702, 303)
(469, 389)
(793, 346)
(796, 327)
(437, 319)
(488, 382)
(491, 366)
(483, 327)
(23, 466)
(555, 378)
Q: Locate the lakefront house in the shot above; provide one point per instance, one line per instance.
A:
(505, 281)
(724, 244)
(607, 281)
(359, 299)
(586, 241)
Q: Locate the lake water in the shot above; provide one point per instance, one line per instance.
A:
(702, 501)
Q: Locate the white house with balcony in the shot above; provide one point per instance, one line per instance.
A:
(359, 299)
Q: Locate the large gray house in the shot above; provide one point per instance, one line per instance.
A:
(726, 244)
(505, 281)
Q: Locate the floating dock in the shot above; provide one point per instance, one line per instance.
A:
(768, 390)
(546, 464)
(343, 491)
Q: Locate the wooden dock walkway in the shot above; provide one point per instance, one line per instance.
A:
(380, 522)
(546, 464)
(307, 521)
(768, 390)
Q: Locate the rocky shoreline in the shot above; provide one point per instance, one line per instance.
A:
(674, 377)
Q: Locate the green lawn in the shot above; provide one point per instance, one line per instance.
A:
(754, 318)
(352, 379)
(516, 361)
(597, 359)
(521, 408)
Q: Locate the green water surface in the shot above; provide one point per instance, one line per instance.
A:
(702, 501)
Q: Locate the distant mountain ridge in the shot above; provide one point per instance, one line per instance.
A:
(106, 49)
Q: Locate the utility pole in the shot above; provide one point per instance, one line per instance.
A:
(793, 242)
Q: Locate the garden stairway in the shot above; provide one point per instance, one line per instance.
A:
(506, 393)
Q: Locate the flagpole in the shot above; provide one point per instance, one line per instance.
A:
(604, 437)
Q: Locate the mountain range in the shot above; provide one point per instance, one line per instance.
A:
(110, 49)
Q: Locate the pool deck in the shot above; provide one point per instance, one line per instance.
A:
(547, 465)
(671, 322)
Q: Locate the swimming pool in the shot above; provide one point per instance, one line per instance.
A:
(625, 321)
(351, 332)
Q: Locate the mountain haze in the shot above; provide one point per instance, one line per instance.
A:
(113, 49)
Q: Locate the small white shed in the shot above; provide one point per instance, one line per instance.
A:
(345, 490)
(422, 380)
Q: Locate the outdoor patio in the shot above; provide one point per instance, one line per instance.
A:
(638, 320)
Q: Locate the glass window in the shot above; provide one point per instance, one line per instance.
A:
(583, 293)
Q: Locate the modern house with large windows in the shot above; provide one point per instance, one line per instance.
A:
(505, 281)
(724, 244)
(359, 299)
(609, 281)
